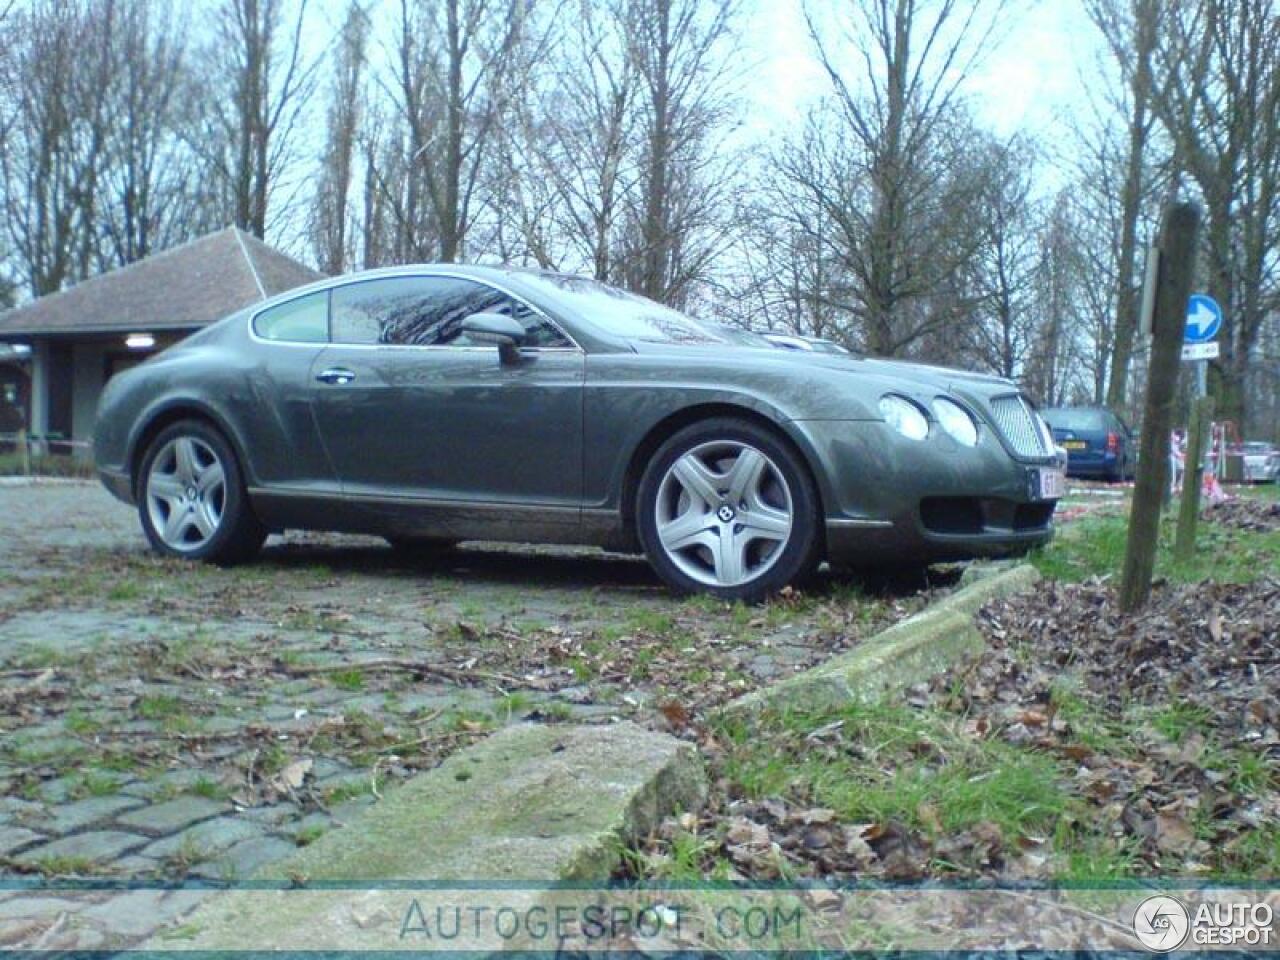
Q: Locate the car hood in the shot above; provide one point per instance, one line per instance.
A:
(919, 375)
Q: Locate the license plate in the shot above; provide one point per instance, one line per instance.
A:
(1053, 485)
(1074, 445)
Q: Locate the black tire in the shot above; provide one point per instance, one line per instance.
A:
(788, 561)
(238, 535)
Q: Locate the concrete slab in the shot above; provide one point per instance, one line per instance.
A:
(532, 803)
(905, 654)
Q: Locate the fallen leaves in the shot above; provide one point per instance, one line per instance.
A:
(1163, 727)
(1245, 513)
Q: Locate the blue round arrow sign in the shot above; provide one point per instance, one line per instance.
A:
(1204, 319)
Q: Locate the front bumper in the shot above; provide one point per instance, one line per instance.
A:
(889, 498)
(117, 483)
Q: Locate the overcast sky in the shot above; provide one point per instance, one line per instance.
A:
(1029, 80)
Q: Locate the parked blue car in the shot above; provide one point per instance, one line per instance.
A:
(1098, 443)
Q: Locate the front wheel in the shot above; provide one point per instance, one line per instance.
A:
(725, 507)
(192, 499)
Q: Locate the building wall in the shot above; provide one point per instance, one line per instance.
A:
(15, 397)
(67, 378)
(88, 378)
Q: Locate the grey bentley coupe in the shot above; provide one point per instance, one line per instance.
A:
(435, 404)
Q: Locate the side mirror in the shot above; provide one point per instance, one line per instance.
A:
(507, 333)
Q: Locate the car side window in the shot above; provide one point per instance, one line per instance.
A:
(303, 320)
(427, 312)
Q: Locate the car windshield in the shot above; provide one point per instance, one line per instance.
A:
(1074, 419)
(1254, 446)
(828, 346)
(631, 316)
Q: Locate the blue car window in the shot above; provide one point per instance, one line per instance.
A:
(427, 311)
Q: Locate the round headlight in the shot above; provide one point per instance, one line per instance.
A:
(904, 416)
(956, 421)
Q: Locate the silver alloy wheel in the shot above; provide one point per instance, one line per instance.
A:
(723, 513)
(186, 493)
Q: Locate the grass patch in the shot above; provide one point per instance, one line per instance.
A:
(309, 835)
(512, 705)
(47, 466)
(97, 785)
(656, 622)
(66, 866)
(914, 767)
(209, 789)
(927, 770)
(348, 680)
(159, 707)
(1175, 721)
(82, 724)
(348, 791)
(1095, 547)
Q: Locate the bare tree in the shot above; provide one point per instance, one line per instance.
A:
(58, 64)
(885, 156)
(1003, 270)
(1216, 90)
(449, 61)
(331, 218)
(147, 183)
(682, 50)
(1130, 28)
(570, 159)
(1059, 370)
(248, 104)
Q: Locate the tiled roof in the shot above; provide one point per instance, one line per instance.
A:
(184, 287)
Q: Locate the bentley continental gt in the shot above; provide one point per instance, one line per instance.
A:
(435, 404)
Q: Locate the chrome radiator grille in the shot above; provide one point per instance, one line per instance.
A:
(1016, 422)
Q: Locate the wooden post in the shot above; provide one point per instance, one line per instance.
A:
(1173, 290)
(24, 451)
(1184, 545)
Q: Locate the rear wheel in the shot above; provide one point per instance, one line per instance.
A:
(726, 507)
(192, 498)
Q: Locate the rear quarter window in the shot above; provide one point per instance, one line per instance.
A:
(304, 320)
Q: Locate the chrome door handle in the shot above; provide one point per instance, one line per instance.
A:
(338, 375)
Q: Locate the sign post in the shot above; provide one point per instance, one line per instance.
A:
(1199, 343)
(1204, 320)
(1180, 227)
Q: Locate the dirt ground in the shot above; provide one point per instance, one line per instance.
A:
(164, 719)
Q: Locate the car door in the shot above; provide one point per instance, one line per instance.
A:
(286, 452)
(413, 413)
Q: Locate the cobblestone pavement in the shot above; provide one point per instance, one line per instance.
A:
(163, 721)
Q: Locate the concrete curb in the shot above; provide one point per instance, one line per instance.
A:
(40, 481)
(905, 654)
(532, 805)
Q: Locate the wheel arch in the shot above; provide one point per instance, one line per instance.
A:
(164, 415)
(665, 428)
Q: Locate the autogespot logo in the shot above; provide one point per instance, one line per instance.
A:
(1161, 923)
